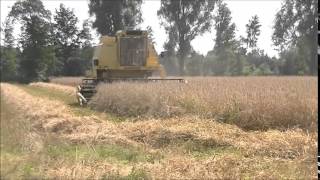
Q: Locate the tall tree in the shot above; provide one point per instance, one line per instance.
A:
(253, 32)
(150, 34)
(82, 61)
(66, 37)
(225, 30)
(85, 35)
(223, 55)
(295, 27)
(187, 19)
(8, 63)
(8, 40)
(111, 15)
(169, 60)
(8, 56)
(37, 58)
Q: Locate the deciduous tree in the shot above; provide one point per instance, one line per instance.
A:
(9, 54)
(37, 58)
(295, 30)
(183, 21)
(66, 37)
(225, 29)
(253, 32)
(224, 59)
(113, 15)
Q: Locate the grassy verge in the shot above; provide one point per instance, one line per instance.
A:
(69, 100)
(16, 154)
(48, 93)
(183, 151)
(56, 95)
(20, 166)
(134, 174)
(27, 154)
(105, 152)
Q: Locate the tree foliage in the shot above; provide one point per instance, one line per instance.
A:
(8, 33)
(295, 30)
(253, 32)
(85, 35)
(57, 47)
(229, 56)
(45, 48)
(68, 38)
(37, 57)
(183, 21)
(223, 56)
(9, 63)
(9, 54)
(111, 15)
(150, 35)
(225, 30)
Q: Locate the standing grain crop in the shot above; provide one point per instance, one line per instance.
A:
(251, 103)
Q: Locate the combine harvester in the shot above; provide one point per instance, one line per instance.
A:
(129, 56)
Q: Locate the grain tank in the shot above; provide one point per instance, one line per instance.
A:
(128, 55)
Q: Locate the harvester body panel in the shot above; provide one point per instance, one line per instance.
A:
(128, 56)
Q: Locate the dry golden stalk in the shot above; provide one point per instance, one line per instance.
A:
(253, 103)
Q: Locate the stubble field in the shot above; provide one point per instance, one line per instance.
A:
(209, 128)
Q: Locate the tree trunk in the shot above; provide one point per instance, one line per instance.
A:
(184, 49)
(181, 65)
(312, 61)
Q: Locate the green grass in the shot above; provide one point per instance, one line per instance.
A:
(109, 152)
(49, 93)
(135, 174)
(217, 151)
(57, 95)
(69, 100)
(202, 149)
(19, 166)
(11, 122)
(17, 162)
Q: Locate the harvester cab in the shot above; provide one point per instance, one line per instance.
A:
(127, 56)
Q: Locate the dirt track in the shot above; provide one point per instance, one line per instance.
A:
(254, 154)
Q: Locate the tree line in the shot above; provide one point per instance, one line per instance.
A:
(51, 44)
(294, 37)
(46, 46)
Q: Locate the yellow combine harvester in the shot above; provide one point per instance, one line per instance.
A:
(128, 56)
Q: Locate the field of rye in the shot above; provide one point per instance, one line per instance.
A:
(68, 81)
(209, 128)
(252, 103)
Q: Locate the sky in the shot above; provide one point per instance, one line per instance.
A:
(241, 12)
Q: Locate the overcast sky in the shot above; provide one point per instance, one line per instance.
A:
(241, 12)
